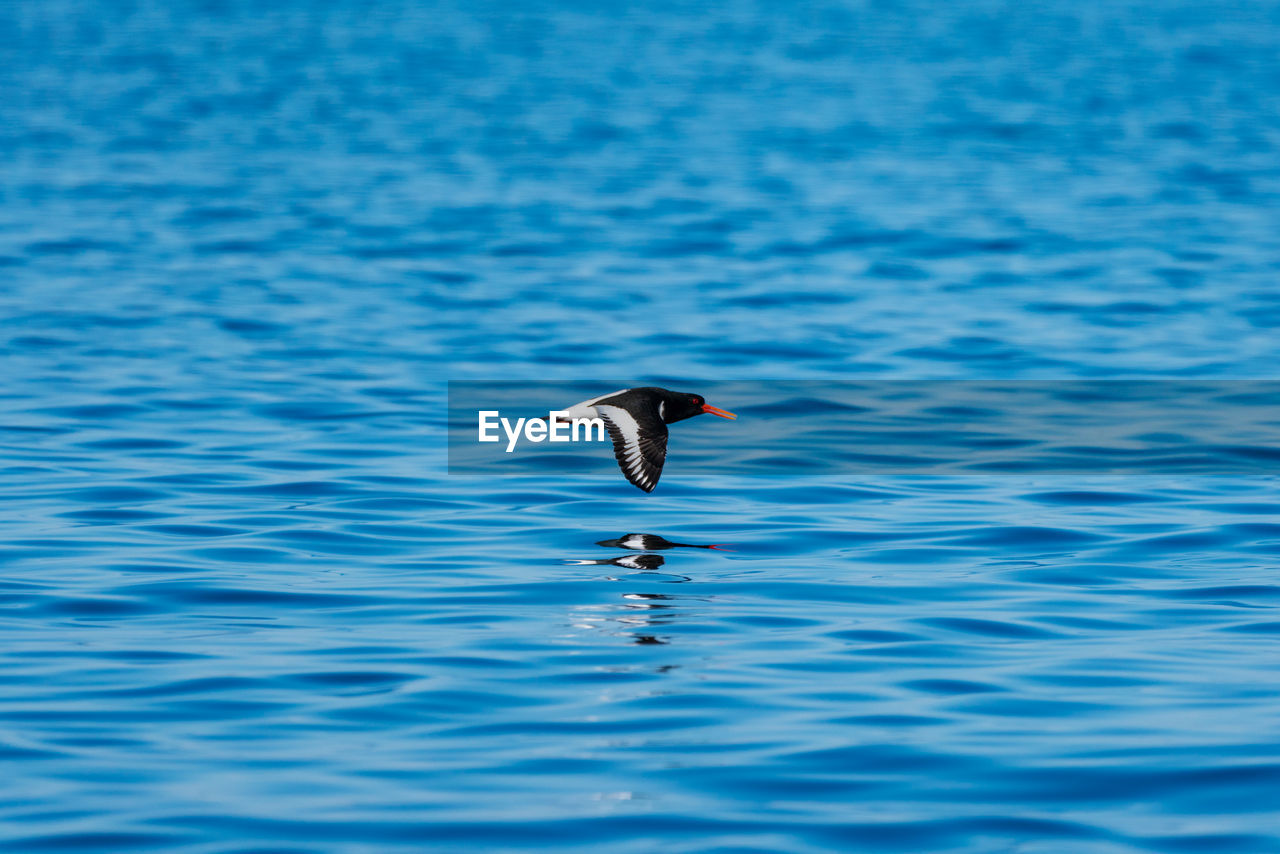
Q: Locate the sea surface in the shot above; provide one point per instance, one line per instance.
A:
(245, 609)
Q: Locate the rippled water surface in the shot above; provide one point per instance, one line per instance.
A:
(244, 608)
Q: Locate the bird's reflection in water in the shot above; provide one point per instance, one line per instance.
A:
(650, 611)
(645, 613)
(644, 562)
(653, 543)
(625, 561)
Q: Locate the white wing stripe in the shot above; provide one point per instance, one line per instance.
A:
(627, 425)
(639, 454)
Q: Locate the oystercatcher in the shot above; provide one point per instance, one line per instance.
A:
(637, 420)
(651, 543)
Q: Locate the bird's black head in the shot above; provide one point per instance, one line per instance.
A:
(678, 405)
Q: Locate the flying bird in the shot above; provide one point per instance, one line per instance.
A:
(637, 420)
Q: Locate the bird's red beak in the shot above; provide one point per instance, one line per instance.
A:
(706, 407)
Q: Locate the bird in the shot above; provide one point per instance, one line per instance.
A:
(652, 543)
(637, 420)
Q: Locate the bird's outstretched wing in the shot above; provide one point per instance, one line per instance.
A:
(639, 443)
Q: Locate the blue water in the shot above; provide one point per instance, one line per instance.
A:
(243, 247)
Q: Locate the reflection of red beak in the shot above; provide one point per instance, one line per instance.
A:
(706, 407)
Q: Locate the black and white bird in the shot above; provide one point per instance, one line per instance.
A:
(652, 543)
(637, 420)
